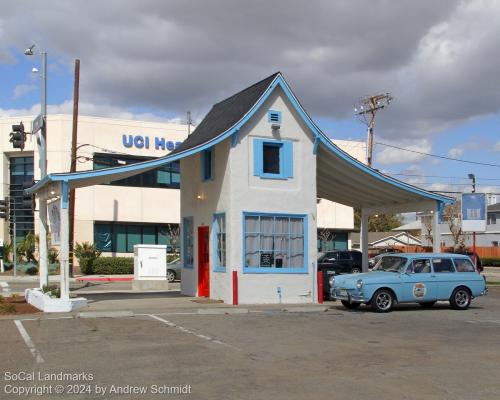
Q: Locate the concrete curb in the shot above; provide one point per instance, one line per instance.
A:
(105, 279)
(105, 314)
(305, 309)
(222, 311)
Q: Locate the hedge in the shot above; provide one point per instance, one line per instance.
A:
(113, 265)
(491, 262)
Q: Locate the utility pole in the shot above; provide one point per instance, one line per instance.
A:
(74, 138)
(189, 122)
(472, 177)
(366, 110)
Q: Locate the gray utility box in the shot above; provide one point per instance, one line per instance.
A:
(150, 267)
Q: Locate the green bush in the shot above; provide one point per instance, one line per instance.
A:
(491, 262)
(52, 255)
(113, 265)
(32, 271)
(86, 253)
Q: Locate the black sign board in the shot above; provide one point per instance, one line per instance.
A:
(266, 259)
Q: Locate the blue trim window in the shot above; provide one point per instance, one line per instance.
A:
(274, 243)
(274, 117)
(187, 242)
(207, 164)
(219, 237)
(273, 159)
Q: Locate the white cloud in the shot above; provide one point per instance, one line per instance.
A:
(497, 146)
(89, 109)
(455, 152)
(20, 90)
(389, 155)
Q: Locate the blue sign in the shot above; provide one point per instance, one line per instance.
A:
(144, 142)
(473, 212)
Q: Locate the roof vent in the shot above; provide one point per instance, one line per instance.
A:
(274, 117)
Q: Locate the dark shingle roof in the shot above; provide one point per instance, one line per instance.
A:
(225, 114)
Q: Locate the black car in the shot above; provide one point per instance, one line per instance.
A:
(337, 262)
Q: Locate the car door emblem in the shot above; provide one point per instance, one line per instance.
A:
(419, 290)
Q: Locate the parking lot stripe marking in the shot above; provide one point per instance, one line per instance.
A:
(4, 284)
(190, 332)
(36, 354)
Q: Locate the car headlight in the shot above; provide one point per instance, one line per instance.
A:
(359, 283)
(331, 281)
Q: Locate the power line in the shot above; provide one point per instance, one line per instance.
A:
(439, 176)
(438, 156)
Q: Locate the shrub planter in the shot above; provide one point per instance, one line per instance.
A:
(45, 303)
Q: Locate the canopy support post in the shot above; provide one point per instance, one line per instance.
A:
(64, 257)
(364, 240)
(436, 235)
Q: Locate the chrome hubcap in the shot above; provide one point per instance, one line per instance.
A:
(462, 298)
(383, 301)
(170, 276)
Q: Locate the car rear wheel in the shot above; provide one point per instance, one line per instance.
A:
(170, 275)
(383, 301)
(460, 298)
(427, 304)
(356, 270)
(350, 306)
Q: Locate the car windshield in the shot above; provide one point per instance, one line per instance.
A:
(390, 264)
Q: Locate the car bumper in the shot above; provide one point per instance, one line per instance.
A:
(350, 295)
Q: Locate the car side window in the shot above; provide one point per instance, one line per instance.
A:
(463, 265)
(331, 256)
(443, 265)
(420, 266)
(344, 255)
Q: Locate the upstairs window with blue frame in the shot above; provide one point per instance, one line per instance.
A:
(273, 159)
(219, 232)
(275, 243)
(187, 241)
(207, 164)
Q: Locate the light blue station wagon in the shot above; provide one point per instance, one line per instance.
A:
(422, 278)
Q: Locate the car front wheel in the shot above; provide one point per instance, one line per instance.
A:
(460, 298)
(170, 275)
(382, 301)
(350, 306)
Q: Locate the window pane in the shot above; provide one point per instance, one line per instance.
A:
(266, 224)
(297, 260)
(297, 225)
(121, 239)
(271, 158)
(252, 224)
(163, 237)
(148, 235)
(421, 266)
(281, 225)
(102, 237)
(443, 265)
(252, 250)
(464, 265)
(133, 237)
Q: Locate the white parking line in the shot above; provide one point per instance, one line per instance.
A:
(4, 284)
(36, 354)
(190, 332)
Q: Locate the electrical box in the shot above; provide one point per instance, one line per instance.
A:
(150, 262)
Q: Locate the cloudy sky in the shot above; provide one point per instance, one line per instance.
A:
(156, 59)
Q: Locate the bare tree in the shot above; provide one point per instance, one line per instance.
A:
(324, 235)
(427, 230)
(174, 231)
(451, 215)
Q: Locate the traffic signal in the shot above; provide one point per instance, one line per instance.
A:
(4, 209)
(18, 136)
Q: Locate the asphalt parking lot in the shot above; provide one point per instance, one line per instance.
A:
(410, 353)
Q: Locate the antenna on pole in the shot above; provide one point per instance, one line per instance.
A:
(189, 122)
(365, 110)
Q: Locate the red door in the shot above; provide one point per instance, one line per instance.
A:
(203, 262)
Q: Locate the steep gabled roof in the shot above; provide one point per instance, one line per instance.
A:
(225, 114)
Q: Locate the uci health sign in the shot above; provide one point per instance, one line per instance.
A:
(145, 142)
(473, 212)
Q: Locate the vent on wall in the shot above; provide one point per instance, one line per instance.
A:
(274, 117)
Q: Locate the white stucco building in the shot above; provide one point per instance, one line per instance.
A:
(251, 174)
(121, 213)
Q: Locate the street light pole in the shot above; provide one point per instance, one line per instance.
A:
(42, 154)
